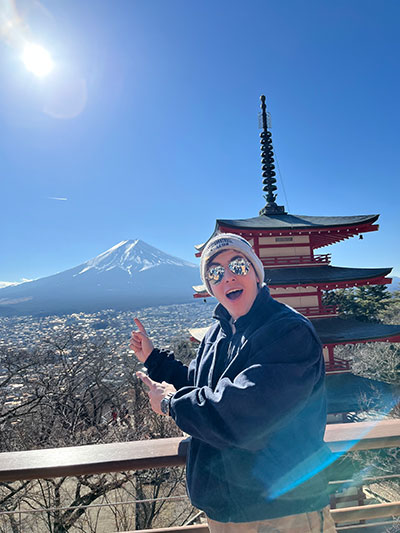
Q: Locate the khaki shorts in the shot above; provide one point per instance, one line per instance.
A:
(314, 522)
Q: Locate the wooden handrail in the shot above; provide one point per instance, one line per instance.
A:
(125, 456)
(157, 453)
(365, 512)
(363, 435)
(92, 459)
(294, 260)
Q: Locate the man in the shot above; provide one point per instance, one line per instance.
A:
(253, 402)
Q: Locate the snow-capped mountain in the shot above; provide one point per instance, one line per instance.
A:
(132, 256)
(129, 275)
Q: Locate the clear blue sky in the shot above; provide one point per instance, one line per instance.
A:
(147, 125)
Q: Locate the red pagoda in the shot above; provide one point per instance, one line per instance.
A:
(297, 276)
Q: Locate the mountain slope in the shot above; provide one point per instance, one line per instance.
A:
(129, 275)
(395, 285)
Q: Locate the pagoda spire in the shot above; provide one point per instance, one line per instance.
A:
(268, 167)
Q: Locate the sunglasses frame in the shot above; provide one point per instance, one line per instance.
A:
(245, 265)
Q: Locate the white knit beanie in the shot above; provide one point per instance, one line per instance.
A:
(229, 241)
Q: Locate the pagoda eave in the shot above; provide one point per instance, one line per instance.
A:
(336, 285)
(289, 222)
(338, 330)
(325, 284)
(346, 390)
(320, 285)
(390, 339)
(318, 237)
(326, 276)
(322, 231)
(343, 331)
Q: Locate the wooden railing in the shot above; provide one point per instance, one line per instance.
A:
(337, 365)
(296, 260)
(316, 311)
(125, 456)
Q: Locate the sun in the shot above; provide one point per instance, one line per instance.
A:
(37, 60)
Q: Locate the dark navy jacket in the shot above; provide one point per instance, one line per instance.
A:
(254, 404)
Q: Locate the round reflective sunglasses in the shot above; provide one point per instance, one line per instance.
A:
(238, 266)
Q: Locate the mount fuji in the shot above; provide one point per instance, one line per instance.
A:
(129, 275)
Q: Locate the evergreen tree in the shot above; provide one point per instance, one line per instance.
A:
(366, 304)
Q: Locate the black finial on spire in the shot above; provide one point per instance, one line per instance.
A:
(268, 167)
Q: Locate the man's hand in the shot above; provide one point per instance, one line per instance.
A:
(157, 391)
(140, 342)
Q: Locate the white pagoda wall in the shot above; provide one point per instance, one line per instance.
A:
(293, 296)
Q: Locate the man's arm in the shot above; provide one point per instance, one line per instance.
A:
(161, 364)
(261, 399)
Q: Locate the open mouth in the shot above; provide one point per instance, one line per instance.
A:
(234, 295)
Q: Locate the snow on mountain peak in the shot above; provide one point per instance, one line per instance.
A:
(132, 256)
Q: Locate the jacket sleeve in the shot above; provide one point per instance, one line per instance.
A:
(162, 366)
(260, 399)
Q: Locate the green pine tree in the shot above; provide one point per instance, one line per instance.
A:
(366, 303)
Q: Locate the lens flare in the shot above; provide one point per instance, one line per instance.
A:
(37, 60)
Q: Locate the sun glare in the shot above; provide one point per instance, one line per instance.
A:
(37, 60)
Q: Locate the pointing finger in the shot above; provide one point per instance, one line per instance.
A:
(140, 326)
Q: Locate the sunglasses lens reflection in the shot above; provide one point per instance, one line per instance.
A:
(215, 274)
(238, 266)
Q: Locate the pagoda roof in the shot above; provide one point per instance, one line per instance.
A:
(341, 331)
(338, 330)
(323, 230)
(330, 276)
(347, 392)
(288, 222)
(321, 274)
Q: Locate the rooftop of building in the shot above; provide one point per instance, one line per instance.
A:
(286, 221)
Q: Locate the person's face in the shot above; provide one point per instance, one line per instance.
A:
(235, 292)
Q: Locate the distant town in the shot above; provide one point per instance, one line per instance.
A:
(164, 323)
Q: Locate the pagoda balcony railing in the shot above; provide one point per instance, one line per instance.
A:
(296, 260)
(158, 453)
(315, 311)
(337, 365)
